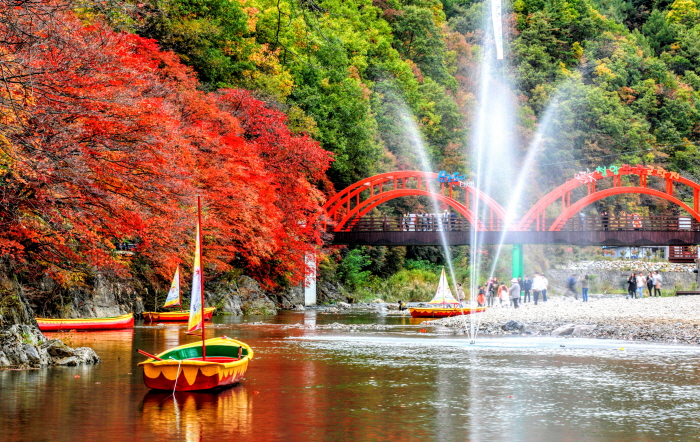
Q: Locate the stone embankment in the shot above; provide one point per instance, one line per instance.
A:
(668, 319)
(631, 265)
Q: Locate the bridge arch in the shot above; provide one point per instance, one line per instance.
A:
(536, 215)
(359, 198)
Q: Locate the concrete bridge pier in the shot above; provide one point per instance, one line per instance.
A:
(310, 279)
(518, 261)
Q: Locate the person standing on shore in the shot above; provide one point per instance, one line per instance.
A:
(537, 286)
(503, 294)
(514, 292)
(527, 286)
(657, 283)
(481, 297)
(650, 284)
(584, 288)
(571, 285)
(460, 293)
(641, 282)
(545, 287)
(632, 286)
(490, 290)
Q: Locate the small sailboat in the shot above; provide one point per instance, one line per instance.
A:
(443, 304)
(174, 299)
(206, 365)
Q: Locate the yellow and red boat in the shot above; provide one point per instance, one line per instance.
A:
(174, 299)
(183, 368)
(112, 323)
(443, 304)
(204, 365)
(176, 316)
(431, 312)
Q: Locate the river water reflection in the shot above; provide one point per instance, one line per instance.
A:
(396, 384)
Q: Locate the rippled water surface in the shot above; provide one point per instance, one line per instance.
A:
(395, 384)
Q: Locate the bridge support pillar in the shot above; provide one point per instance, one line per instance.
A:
(518, 260)
(310, 279)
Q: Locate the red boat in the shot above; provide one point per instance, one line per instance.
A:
(431, 312)
(112, 323)
(176, 316)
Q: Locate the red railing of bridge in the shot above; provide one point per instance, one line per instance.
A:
(349, 207)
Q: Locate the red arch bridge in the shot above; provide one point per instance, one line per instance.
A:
(557, 218)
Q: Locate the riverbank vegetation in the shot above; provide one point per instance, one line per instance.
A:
(115, 114)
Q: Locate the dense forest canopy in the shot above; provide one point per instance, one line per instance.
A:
(115, 113)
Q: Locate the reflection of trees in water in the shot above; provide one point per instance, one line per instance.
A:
(196, 416)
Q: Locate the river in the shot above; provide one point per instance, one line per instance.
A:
(405, 383)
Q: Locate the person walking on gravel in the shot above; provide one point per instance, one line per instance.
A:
(657, 283)
(641, 283)
(584, 288)
(514, 292)
(631, 286)
(537, 287)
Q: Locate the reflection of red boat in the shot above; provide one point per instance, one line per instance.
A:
(431, 312)
(176, 316)
(113, 323)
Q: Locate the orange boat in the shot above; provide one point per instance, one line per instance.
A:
(176, 316)
(174, 299)
(431, 312)
(443, 304)
(112, 323)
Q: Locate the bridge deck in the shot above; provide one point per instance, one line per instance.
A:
(588, 231)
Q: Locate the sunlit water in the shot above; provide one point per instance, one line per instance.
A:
(399, 384)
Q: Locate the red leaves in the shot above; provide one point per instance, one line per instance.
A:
(117, 141)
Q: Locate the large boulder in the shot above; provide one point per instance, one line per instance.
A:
(24, 346)
(564, 330)
(512, 326)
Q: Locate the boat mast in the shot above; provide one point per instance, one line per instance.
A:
(201, 279)
(179, 292)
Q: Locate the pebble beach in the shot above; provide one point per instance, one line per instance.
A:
(661, 319)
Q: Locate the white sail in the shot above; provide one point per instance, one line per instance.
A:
(443, 294)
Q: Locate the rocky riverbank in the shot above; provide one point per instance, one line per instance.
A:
(24, 346)
(669, 319)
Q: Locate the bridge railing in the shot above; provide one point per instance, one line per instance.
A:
(436, 223)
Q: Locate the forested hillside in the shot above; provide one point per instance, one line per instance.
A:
(116, 113)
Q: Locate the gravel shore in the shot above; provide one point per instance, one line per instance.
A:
(669, 319)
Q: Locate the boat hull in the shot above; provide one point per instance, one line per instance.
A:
(112, 323)
(176, 316)
(222, 367)
(429, 312)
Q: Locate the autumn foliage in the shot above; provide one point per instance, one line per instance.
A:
(106, 139)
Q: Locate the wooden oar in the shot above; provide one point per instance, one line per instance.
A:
(149, 355)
